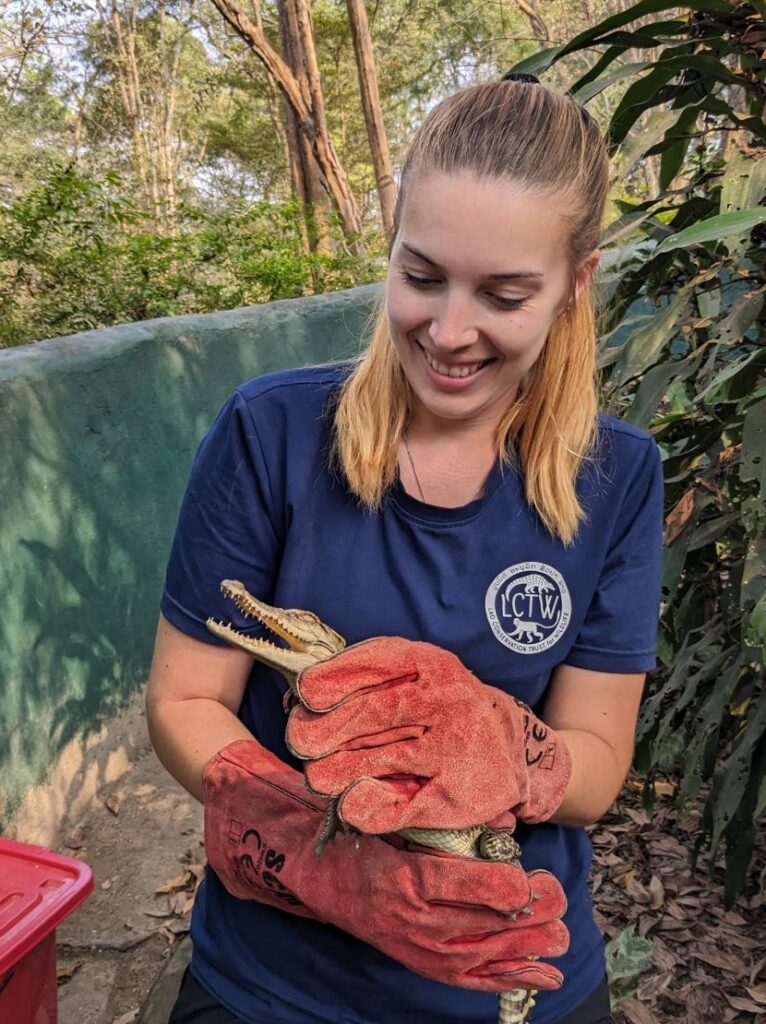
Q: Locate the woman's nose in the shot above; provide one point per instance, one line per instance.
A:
(453, 326)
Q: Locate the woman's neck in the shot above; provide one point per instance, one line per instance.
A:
(438, 433)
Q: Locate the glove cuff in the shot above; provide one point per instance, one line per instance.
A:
(259, 819)
(548, 767)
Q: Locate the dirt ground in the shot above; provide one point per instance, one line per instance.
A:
(121, 955)
(140, 832)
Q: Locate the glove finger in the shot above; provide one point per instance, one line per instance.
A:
(372, 663)
(378, 806)
(368, 720)
(532, 943)
(332, 773)
(549, 901)
(509, 974)
(461, 882)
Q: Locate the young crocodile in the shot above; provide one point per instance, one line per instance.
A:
(309, 640)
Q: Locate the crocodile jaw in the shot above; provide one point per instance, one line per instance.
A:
(309, 639)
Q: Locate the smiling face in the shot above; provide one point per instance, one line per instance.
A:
(478, 272)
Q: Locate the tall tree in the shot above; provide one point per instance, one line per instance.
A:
(310, 117)
(373, 116)
(305, 173)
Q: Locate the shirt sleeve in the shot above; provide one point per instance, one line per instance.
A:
(619, 633)
(228, 528)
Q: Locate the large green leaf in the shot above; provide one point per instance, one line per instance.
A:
(711, 392)
(640, 96)
(753, 588)
(655, 383)
(617, 42)
(678, 138)
(591, 89)
(713, 229)
(754, 446)
(712, 529)
(642, 349)
(756, 625)
(705, 725)
(639, 10)
(743, 187)
(733, 775)
(637, 143)
(744, 182)
(540, 62)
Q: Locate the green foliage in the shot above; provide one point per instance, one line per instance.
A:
(685, 294)
(628, 956)
(75, 254)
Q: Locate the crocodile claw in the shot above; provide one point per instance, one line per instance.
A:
(309, 640)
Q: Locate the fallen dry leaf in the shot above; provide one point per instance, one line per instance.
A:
(729, 962)
(127, 1018)
(656, 893)
(65, 971)
(757, 992)
(112, 804)
(177, 902)
(748, 1005)
(637, 1013)
(678, 516)
(757, 968)
(174, 885)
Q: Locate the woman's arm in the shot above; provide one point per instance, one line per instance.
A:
(595, 714)
(194, 692)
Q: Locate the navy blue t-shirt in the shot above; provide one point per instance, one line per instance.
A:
(486, 581)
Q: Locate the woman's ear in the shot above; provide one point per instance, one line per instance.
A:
(586, 270)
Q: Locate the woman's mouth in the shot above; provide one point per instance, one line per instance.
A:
(460, 371)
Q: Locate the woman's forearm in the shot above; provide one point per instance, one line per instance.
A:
(597, 776)
(187, 733)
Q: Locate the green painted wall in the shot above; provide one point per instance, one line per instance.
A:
(97, 434)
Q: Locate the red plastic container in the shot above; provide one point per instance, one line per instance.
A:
(38, 889)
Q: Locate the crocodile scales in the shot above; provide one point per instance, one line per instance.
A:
(309, 641)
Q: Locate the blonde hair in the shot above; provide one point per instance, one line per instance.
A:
(543, 141)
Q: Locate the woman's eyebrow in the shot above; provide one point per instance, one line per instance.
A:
(509, 276)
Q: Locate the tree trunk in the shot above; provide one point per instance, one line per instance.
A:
(540, 30)
(373, 117)
(333, 176)
(304, 170)
(275, 105)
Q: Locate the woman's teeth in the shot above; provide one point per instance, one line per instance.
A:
(452, 371)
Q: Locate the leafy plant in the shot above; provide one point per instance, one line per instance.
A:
(683, 354)
(77, 254)
(628, 956)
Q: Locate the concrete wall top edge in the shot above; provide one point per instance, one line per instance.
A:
(93, 348)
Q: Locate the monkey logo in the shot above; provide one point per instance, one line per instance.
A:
(528, 607)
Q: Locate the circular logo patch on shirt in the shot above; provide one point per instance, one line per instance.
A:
(528, 607)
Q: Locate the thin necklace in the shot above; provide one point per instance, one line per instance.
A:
(414, 472)
(479, 493)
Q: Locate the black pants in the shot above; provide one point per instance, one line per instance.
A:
(196, 1006)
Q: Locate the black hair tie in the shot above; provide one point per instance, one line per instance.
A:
(520, 76)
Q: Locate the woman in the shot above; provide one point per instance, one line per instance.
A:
(455, 488)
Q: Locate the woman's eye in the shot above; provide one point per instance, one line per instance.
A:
(425, 282)
(417, 282)
(506, 303)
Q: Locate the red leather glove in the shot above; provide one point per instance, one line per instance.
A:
(409, 737)
(451, 919)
